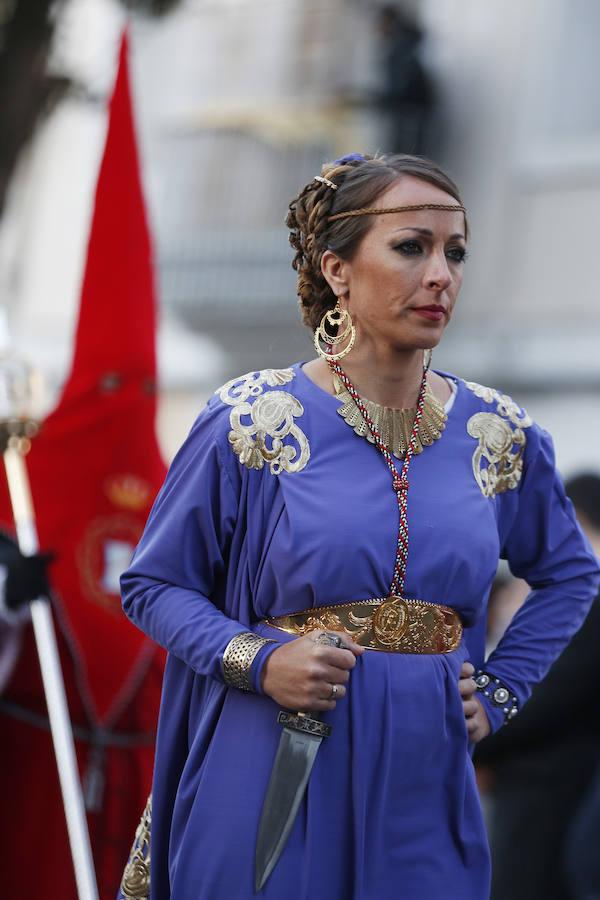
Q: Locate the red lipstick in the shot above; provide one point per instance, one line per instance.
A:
(433, 312)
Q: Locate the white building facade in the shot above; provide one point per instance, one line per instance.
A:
(238, 104)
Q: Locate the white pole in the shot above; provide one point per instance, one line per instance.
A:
(60, 724)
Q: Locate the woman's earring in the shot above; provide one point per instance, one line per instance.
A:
(427, 359)
(339, 319)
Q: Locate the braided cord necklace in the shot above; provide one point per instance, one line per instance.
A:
(392, 614)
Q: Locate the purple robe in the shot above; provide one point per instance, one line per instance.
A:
(240, 532)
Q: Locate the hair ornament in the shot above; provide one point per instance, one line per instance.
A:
(351, 157)
(378, 211)
(330, 184)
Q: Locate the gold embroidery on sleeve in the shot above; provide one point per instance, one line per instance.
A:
(251, 385)
(506, 406)
(269, 421)
(498, 458)
(136, 877)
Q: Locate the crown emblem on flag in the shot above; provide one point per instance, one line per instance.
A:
(128, 491)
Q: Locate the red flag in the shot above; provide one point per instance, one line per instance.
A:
(95, 469)
(96, 466)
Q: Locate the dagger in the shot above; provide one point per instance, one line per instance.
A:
(298, 746)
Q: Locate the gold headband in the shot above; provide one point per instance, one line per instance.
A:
(376, 211)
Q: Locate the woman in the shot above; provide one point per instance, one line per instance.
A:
(359, 476)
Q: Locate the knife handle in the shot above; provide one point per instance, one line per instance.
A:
(300, 721)
(304, 723)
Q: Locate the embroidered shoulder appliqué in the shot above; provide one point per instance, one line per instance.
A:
(498, 457)
(263, 427)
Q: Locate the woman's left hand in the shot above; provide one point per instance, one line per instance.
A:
(478, 725)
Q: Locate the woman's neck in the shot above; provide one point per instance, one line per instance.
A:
(388, 378)
(392, 382)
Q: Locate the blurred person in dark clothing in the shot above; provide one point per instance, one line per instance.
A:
(406, 94)
(582, 861)
(543, 766)
(22, 579)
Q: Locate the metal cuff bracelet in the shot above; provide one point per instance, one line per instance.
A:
(238, 657)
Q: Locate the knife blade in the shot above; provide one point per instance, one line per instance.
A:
(298, 747)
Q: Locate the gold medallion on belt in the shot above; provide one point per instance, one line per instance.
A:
(390, 621)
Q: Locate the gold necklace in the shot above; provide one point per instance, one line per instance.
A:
(394, 425)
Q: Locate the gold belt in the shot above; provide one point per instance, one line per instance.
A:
(392, 624)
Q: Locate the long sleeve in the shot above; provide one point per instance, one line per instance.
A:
(545, 546)
(555, 713)
(174, 588)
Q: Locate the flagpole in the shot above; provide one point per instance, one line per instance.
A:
(15, 443)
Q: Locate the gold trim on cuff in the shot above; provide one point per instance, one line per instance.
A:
(238, 657)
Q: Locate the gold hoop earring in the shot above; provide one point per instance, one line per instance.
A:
(335, 318)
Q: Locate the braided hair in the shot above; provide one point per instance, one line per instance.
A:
(359, 181)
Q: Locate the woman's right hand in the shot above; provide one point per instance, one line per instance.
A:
(300, 674)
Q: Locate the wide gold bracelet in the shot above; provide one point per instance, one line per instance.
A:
(238, 657)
